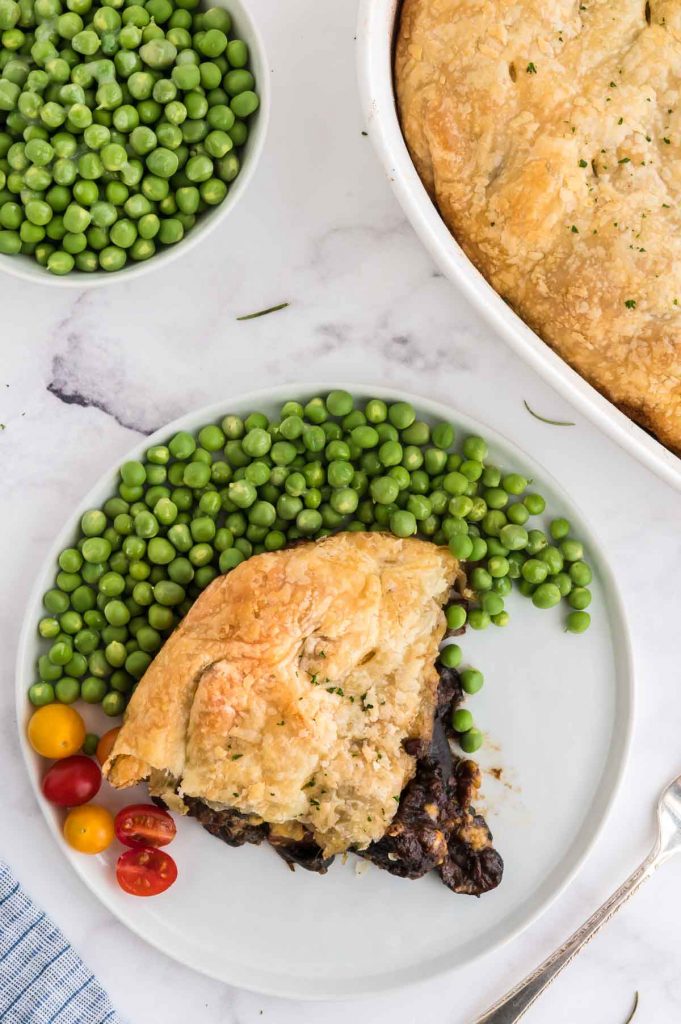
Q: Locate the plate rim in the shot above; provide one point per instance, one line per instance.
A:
(263, 981)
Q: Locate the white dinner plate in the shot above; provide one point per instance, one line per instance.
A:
(556, 710)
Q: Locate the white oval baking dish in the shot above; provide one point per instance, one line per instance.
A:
(374, 62)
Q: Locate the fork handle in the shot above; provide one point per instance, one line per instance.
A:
(513, 1005)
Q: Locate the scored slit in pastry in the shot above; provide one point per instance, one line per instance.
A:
(299, 702)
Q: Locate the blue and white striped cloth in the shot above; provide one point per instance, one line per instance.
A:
(42, 978)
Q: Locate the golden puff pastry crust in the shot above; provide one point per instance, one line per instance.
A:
(548, 132)
(288, 689)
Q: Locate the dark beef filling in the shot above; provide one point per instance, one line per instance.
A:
(435, 828)
(302, 852)
(230, 825)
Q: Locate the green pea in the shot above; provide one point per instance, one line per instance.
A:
(402, 522)
(553, 559)
(168, 594)
(534, 570)
(67, 690)
(116, 613)
(41, 694)
(560, 528)
(547, 595)
(160, 551)
(471, 741)
(478, 618)
(113, 703)
(536, 542)
(229, 559)
(572, 550)
(344, 501)
(481, 579)
(450, 656)
(534, 504)
(461, 546)
(580, 574)
(493, 603)
(576, 622)
(48, 628)
(472, 680)
(93, 689)
(456, 616)
(137, 663)
(86, 641)
(462, 720)
(579, 598)
(161, 617)
(515, 538)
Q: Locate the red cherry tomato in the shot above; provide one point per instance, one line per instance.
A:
(72, 781)
(145, 871)
(144, 825)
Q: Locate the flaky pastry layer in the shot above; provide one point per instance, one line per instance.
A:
(288, 689)
(548, 132)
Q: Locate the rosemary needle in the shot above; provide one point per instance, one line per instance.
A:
(264, 312)
(633, 1009)
(555, 423)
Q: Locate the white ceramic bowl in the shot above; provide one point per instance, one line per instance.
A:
(551, 700)
(374, 55)
(246, 29)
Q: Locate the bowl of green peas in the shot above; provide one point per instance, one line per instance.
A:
(128, 131)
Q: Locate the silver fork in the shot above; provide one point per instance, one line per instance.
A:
(514, 1004)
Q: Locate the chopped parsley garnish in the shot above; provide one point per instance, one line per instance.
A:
(313, 678)
(583, 163)
(531, 69)
(624, 160)
(335, 689)
(630, 303)
(574, 229)
(235, 757)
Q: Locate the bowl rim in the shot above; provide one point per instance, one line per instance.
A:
(27, 269)
(613, 772)
(375, 29)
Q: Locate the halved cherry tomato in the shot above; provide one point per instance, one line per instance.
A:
(72, 781)
(56, 731)
(144, 825)
(145, 871)
(106, 743)
(89, 829)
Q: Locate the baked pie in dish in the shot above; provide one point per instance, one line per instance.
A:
(549, 136)
(300, 702)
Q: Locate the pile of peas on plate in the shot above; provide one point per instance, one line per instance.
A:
(202, 503)
(120, 123)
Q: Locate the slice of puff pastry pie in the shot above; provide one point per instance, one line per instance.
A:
(296, 703)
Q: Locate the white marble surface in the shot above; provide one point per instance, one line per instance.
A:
(81, 374)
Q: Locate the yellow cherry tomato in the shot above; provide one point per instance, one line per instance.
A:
(56, 731)
(89, 828)
(106, 743)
